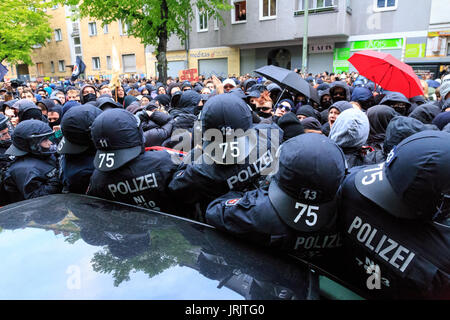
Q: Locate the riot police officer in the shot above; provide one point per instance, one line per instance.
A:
(34, 172)
(396, 241)
(234, 156)
(5, 160)
(77, 148)
(298, 212)
(123, 170)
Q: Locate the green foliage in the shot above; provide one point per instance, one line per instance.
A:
(145, 17)
(23, 24)
(168, 248)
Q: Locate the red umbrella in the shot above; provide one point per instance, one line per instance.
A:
(388, 72)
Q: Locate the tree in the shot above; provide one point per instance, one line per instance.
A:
(152, 21)
(23, 25)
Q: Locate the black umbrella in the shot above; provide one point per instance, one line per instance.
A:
(287, 79)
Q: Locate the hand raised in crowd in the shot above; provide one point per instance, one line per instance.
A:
(218, 84)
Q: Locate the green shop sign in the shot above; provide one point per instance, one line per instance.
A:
(416, 50)
(377, 44)
(340, 60)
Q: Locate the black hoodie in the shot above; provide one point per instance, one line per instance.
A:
(379, 118)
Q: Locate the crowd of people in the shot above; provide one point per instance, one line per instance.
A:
(356, 180)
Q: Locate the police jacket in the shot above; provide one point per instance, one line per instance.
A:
(31, 177)
(251, 216)
(76, 171)
(157, 129)
(391, 258)
(142, 181)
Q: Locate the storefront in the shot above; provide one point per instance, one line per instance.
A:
(221, 61)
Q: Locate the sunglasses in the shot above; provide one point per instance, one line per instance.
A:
(283, 107)
(264, 109)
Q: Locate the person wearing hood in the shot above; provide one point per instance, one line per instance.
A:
(188, 103)
(398, 102)
(157, 125)
(172, 88)
(106, 102)
(186, 86)
(77, 149)
(54, 116)
(307, 111)
(379, 118)
(128, 100)
(442, 120)
(88, 93)
(363, 97)
(350, 132)
(425, 113)
(325, 104)
(333, 113)
(121, 160)
(311, 125)
(34, 171)
(120, 94)
(28, 110)
(340, 91)
(163, 100)
(160, 89)
(416, 101)
(290, 125)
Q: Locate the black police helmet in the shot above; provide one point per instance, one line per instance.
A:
(76, 128)
(27, 138)
(303, 191)
(415, 178)
(118, 138)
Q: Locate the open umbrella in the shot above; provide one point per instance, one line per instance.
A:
(286, 79)
(388, 72)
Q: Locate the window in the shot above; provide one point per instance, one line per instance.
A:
(239, 12)
(52, 66)
(267, 9)
(384, 5)
(108, 63)
(202, 20)
(40, 69)
(216, 23)
(77, 45)
(58, 35)
(92, 29)
(61, 66)
(316, 4)
(123, 28)
(129, 62)
(106, 29)
(95, 63)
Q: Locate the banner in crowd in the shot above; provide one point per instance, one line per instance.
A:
(188, 75)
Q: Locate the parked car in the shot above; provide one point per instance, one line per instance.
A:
(69, 246)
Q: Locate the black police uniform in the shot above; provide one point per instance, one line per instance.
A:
(207, 178)
(393, 247)
(298, 212)
(34, 172)
(77, 149)
(123, 171)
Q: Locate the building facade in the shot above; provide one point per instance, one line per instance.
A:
(255, 33)
(90, 40)
(260, 32)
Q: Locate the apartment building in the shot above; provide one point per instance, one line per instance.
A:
(88, 39)
(261, 32)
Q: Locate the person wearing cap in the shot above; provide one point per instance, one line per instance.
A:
(235, 153)
(229, 84)
(311, 125)
(394, 217)
(364, 97)
(28, 110)
(124, 172)
(298, 212)
(106, 102)
(77, 149)
(34, 172)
